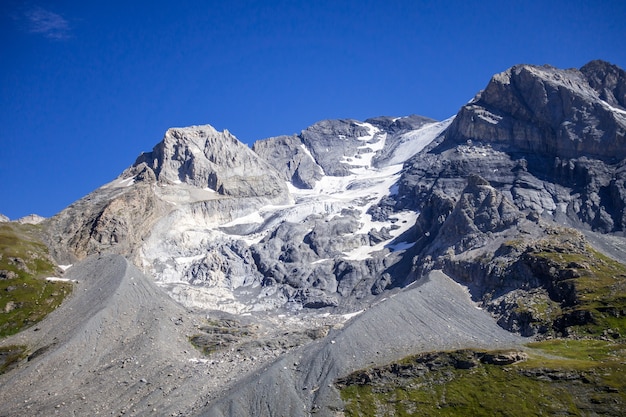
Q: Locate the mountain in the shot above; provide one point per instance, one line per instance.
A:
(291, 223)
(353, 244)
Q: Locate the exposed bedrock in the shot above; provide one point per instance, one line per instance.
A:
(553, 141)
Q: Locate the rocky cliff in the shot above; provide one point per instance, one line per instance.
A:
(202, 157)
(546, 137)
(539, 148)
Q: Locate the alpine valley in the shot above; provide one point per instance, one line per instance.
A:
(392, 266)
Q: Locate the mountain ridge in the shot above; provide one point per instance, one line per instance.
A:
(376, 236)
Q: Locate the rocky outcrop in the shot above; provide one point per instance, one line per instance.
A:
(330, 140)
(205, 158)
(31, 219)
(291, 158)
(552, 140)
(548, 111)
(608, 80)
(307, 261)
(109, 220)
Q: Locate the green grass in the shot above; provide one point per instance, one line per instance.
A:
(600, 290)
(583, 297)
(10, 356)
(25, 296)
(560, 377)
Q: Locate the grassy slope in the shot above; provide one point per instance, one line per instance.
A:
(579, 375)
(600, 290)
(25, 296)
(565, 377)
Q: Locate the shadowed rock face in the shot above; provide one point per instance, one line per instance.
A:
(553, 112)
(608, 80)
(290, 157)
(553, 141)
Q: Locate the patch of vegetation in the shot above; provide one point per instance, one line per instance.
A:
(568, 377)
(10, 356)
(26, 296)
(593, 291)
(218, 335)
(558, 286)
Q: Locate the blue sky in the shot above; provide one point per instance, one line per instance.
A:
(86, 86)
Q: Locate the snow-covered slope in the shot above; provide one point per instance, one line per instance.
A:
(324, 245)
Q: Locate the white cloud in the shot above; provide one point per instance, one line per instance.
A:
(49, 24)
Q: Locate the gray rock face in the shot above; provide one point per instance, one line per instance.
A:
(480, 213)
(109, 220)
(398, 125)
(291, 158)
(205, 158)
(307, 261)
(545, 137)
(608, 80)
(329, 140)
(548, 111)
(318, 150)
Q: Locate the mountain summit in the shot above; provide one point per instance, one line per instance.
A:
(202, 157)
(557, 113)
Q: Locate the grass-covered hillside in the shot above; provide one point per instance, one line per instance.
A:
(576, 368)
(556, 377)
(572, 290)
(26, 296)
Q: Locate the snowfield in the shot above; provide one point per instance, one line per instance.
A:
(190, 239)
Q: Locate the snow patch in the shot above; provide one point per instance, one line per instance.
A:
(488, 116)
(414, 141)
(57, 279)
(350, 315)
(613, 109)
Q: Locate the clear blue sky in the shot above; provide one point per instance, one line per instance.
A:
(86, 86)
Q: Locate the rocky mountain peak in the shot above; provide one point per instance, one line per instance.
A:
(548, 138)
(205, 158)
(550, 111)
(608, 80)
